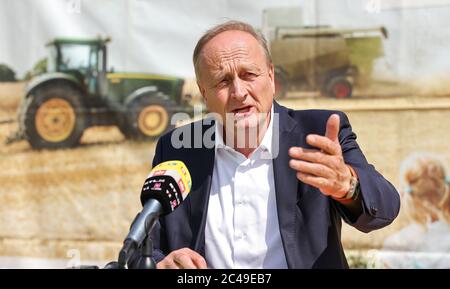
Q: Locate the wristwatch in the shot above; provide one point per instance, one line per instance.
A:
(353, 192)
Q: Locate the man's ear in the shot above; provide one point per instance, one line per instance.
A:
(202, 90)
(272, 77)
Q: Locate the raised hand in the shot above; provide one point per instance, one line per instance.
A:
(323, 168)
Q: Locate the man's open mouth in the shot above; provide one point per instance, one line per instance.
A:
(242, 110)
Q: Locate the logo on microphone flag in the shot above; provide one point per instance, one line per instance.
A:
(177, 170)
(159, 173)
(174, 204)
(181, 185)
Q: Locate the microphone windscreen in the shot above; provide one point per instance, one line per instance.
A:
(169, 183)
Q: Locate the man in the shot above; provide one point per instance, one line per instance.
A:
(276, 203)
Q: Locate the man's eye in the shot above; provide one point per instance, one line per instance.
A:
(248, 75)
(223, 82)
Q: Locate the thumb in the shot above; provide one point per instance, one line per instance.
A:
(332, 130)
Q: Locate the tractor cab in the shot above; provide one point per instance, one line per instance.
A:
(85, 59)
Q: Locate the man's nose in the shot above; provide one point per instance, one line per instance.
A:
(238, 90)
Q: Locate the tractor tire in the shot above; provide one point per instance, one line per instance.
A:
(339, 87)
(281, 84)
(147, 118)
(53, 117)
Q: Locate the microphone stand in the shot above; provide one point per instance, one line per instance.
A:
(146, 261)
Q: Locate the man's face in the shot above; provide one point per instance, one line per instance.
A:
(235, 78)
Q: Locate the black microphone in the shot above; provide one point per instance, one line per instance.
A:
(163, 191)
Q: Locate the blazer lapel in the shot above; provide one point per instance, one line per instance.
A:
(303, 241)
(203, 160)
(198, 212)
(286, 183)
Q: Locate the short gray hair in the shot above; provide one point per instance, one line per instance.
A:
(229, 26)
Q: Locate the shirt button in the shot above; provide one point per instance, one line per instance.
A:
(241, 236)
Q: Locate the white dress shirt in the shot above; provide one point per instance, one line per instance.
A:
(242, 228)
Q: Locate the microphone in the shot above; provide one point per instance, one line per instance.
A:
(163, 191)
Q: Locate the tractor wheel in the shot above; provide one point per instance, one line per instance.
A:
(281, 84)
(339, 87)
(53, 117)
(147, 118)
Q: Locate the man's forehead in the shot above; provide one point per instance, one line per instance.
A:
(231, 45)
(231, 38)
(227, 54)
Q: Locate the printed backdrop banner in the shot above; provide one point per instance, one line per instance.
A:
(68, 192)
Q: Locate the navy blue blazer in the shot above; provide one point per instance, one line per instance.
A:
(309, 222)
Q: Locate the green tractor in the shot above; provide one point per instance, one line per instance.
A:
(78, 92)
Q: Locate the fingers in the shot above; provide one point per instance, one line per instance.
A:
(167, 264)
(314, 181)
(332, 130)
(199, 262)
(314, 156)
(184, 261)
(184, 258)
(311, 168)
(328, 173)
(324, 143)
(328, 187)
